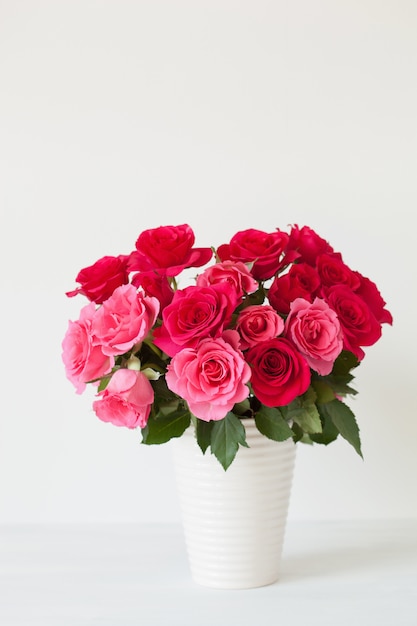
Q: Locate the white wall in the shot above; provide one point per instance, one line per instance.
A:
(118, 116)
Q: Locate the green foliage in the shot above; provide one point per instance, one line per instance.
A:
(152, 356)
(340, 377)
(299, 434)
(163, 428)
(316, 417)
(324, 391)
(242, 408)
(271, 423)
(226, 436)
(339, 384)
(162, 393)
(303, 411)
(103, 383)
(345, 362)
(203, 432)
(343, 420)
(257, 297)
(329, 431)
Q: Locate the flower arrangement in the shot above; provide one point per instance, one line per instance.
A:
(270, 329)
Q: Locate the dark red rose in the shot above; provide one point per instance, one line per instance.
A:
(195, 313)
(333, 271)
(265, 250)
(279, 372)
(167, 250)
(302, 281)
(308, 244)
(359, 325)
(154, 285)
(98, 281)
(369, 292)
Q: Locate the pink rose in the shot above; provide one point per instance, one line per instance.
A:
(83, 360)
(98, 281)
(195, 313)
(234, 273)
(211, 377)
(302, 281)
(127, 399)
(265, 250)
(124, 320)
(315, 329)
(279, 372)
(167, 250)
(308, 244)
(359, 325)
(258, 323)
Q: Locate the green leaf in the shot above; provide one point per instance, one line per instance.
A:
(148, 347)
(242, 407)
(345, 362)
(258, 297)
(298, 433)
(270, 422)
(103, 383)
(308, 418)
(226, 436)
(340, 385)
(162, 429)
(203, 434)
(161, 390)
(329, 432)
(323, 391)
(306, 439)
(338, 380)
(344, 420)
(309, 397)
(303, 412)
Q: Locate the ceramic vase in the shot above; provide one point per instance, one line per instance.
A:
(234, 521)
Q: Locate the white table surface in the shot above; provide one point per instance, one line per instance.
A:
(338, 573)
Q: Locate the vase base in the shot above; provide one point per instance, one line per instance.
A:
(233, 585)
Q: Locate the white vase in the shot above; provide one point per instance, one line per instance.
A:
(234, 520)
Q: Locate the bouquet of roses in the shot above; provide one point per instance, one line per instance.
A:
(270, 329)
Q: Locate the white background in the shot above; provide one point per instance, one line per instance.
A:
(117, 116)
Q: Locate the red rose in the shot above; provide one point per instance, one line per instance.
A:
(98, 281)
(264, 250)
(308, 244)
(359, 325)
(302, 281)
(168, 250)
(333, 271)
(368, 291)
(195, 313)
(154, 285)
(279, 372)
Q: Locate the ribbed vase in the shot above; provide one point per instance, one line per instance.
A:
(234, 521)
